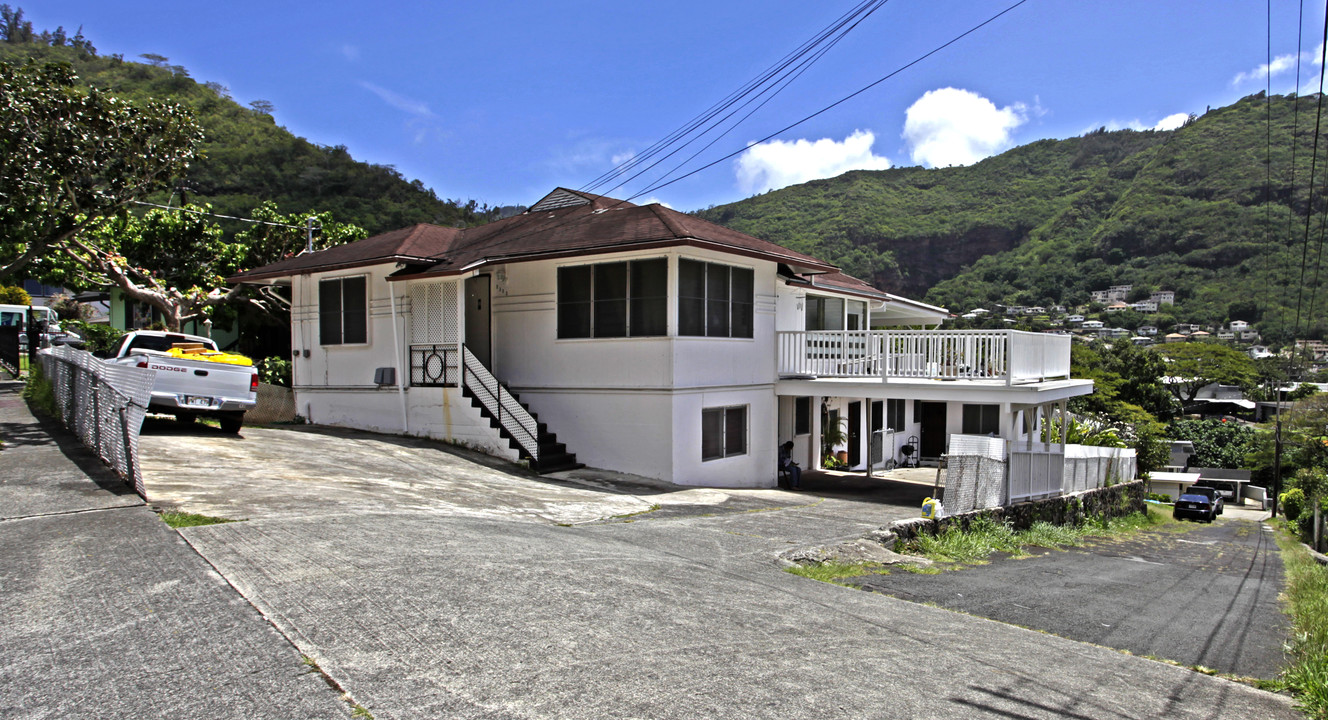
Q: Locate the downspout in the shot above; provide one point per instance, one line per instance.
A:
(396, 359)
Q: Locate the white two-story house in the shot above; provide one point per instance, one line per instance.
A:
(639, 339)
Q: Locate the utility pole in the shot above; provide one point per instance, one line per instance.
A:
(1277, 456)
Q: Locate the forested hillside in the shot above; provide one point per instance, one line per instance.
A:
(249, 159)
(1046, 223)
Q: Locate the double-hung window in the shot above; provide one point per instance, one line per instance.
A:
(715, 300)
(619, 299)
(723, 432)
(343, 311)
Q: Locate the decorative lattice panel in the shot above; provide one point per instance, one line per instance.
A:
(433, 313)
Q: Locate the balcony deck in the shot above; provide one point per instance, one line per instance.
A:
(991, 357)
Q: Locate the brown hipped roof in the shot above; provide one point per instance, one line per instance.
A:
(575, 224)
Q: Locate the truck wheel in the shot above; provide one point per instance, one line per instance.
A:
(231, 423)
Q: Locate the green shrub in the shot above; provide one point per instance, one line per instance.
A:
(99, 338)
(275, 371)
(1160, 497)
(1292, 501)
(14, 295)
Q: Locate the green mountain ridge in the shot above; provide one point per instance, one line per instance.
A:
(248, 159)
(1048, 222)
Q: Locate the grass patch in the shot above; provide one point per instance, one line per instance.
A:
(1306, 601)
(833, 572)
(184, 519)
(39, 393)
(985, 537)
(627, 517)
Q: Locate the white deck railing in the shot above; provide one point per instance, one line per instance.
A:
(1011, 356)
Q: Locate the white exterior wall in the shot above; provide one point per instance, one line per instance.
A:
(343, 367)
(634, 404)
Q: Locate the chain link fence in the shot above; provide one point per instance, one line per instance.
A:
(102, 404)
(974, 473)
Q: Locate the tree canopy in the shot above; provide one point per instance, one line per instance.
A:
(1192, 366)
(70, 157)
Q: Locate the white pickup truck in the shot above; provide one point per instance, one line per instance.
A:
(223, 387)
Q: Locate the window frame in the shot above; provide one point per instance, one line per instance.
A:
(724, 439)
(717, 311)
(802, 416)
(341, 313)
(982, 412)
(894, 407)
(599, 308)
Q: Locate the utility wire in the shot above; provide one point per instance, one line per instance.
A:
(767, 80)
(216, 215)
(1304, 255)
(773, 91)
(839, 102)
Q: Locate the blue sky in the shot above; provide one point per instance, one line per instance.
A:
(502, 101)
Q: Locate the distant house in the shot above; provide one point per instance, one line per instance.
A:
(1163, 297)
(1035, 310)
(1258, 352)
(1092, 325)
(1115, 293)
(1184, 328)
(1144, 306)
(1238, 325)
(978, 311)
(1226, 335)
(1117, 306)
(1115, 332)
(1200, 335)
(1141, 340)
(1248, 335)
(1147, 330)
(1174, 338)
(1072, 319)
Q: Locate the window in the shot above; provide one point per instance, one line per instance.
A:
(982, 419)
(824, 313)
(802, 416)
(621, 299)
(715, 300)
(723, 432)
(894, 415)
(342, 311)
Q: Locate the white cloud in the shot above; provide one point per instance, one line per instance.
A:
(652, 200)
(401, 102)
(1171, 122)
(780, 163)
(620, 158)
(1279, 65)
(950, 126)
(350, 52)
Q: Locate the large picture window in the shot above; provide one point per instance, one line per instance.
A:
(343, 311)
(715, 300)
(621, 299)
(723, 432)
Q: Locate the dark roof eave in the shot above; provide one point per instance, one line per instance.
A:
(628, 247)
(291, 272)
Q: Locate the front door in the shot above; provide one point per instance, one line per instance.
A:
(933, 430)
(478, 318)
(854, 434)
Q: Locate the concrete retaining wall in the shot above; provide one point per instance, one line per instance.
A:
(1114, 501)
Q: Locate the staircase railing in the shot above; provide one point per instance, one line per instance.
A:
(498, 401)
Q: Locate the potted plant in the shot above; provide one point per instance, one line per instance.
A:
(834, 432)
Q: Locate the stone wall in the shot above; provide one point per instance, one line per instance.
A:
(1114, 501)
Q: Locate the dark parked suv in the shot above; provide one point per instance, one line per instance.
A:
(1202, 503)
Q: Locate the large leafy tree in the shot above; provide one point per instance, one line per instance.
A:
(1195, 365)
(176, 259)
(70, 157)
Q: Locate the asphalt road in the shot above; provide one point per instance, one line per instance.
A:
(424, 599)
(1199, 595)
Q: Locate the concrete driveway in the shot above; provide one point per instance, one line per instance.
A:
(434, 584)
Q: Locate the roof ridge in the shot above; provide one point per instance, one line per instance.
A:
(668, 221)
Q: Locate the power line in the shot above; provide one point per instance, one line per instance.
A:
(767, 81)
(839, 102)
(1304, 255)
(216, 215)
